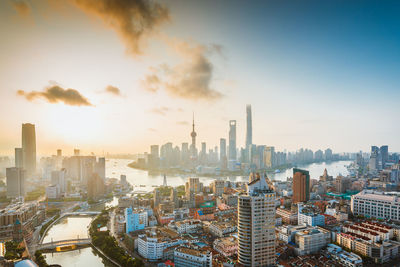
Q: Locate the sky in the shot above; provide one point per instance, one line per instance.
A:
(118, 76)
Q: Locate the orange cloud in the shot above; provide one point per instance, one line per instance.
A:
(22, 8)
(191, 79)
(56, 94)
(132, 20)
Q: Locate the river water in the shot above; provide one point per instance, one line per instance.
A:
(70, 228)
(145, 181)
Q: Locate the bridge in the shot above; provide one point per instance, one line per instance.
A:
(78, 213)
(58, 243)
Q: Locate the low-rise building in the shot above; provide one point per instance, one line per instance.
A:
(19, 220)
(288, 216)
(227, 246)
(345, 258)
(153, 242)
(311, 240)
(374, 204)
(192, 257)
(53, 192)
(186, 226)
(222, 229)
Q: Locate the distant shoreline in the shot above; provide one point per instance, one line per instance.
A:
(222, 173)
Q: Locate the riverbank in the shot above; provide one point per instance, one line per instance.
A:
(107, 244)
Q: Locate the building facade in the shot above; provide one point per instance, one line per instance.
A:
(256, 225)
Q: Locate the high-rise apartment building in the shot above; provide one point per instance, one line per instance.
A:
(95, 186)
(256, 225)
(155, 151)
(301, 185)
(29, 148)
(58, 179)
(269, 156)
(15, 178)
(328, 154)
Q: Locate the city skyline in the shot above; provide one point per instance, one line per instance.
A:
(111, 73)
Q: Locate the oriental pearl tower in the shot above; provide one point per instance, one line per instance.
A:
(193, 150)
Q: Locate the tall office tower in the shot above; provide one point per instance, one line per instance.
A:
(232, 140)
(59, 153)
(301, 185)
(384, 151)
(374, 159)
(15, 182)
(76, 152)
(19, 161)
(193, 150)
(249, 132)
(256, 225)
(29, 148)
(58, 178)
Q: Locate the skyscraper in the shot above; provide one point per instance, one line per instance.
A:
(19, 158)
(222, 153)
(256, 225)
(232, 144)
(29, 148)
(301, 185)
(193, 150)
(15, 182)
(249, 132)
(374, 159)
(384, 151)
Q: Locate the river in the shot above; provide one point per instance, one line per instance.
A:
(145, 181)
(70, 228)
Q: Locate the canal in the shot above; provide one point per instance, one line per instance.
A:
(71, 228)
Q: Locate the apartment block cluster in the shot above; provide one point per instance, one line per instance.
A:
(18, 220)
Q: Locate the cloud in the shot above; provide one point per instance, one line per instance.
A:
(182, 123)
(151, 83)
(151, 130)
(22, 7)
(55, 94)
(190, 79)
(113, 90)
(132, 20)
(160, 110)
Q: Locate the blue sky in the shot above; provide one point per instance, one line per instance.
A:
(318, 74)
